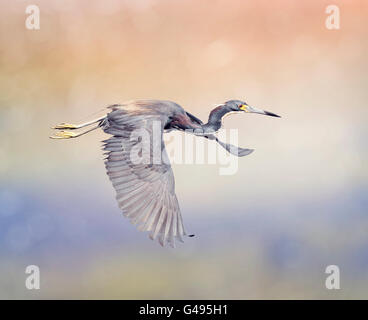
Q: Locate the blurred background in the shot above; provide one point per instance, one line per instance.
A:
(295, 206)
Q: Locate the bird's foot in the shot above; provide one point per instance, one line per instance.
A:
(65, 126)
(64, 135)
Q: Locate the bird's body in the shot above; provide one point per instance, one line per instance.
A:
(142, 176)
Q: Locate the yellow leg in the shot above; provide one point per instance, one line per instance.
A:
(64, 135)
(71, 126)
(69, 134)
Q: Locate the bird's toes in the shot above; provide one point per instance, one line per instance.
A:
(65, 126)
(63, 135)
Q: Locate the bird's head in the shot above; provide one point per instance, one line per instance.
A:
(241, 106)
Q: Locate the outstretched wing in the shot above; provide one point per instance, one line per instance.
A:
(144, 191)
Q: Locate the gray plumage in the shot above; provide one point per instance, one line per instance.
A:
(145, 191)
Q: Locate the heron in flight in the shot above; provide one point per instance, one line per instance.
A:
(145, 192)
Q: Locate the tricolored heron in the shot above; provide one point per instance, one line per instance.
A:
(145, 192)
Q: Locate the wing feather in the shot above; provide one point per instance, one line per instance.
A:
(145, 192)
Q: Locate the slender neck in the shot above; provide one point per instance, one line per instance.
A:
(215, 118)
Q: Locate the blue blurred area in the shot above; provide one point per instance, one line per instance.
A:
(37, 226)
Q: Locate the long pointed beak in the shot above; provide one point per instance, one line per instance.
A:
(260, 111)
